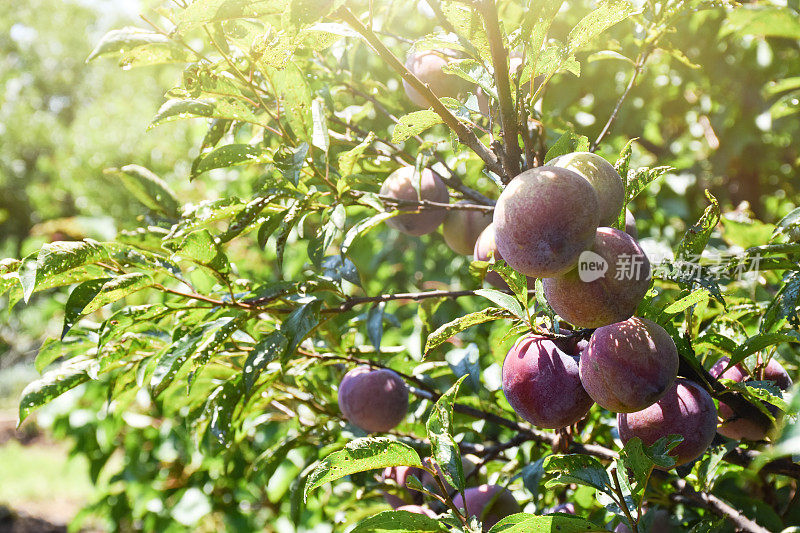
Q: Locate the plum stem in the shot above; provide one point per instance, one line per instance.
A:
(622, 503)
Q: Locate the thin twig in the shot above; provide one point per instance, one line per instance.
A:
(716, 506)
(452, 180)
(464, 134)
(508, 116)
(637, 69)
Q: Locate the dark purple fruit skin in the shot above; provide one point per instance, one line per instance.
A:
(374, 400)
(544, 219)
(604, 178)
(399, 474)
(427, 65)
(400, 185)
(605, 300)
(629, 365)
(542, 383)
(566, 508)
(418, 509)
(478, 498)
(461, 228)
(657, 519)
(742, 428)
(486, 249)
(630, 224)
(686, 410)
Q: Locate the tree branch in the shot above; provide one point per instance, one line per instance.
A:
(464, 134)
(508, 116)
(637, 69)
(452, 180)
(716, 506)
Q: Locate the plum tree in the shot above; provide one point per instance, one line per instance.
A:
(461, 228)
(603, 177)
(373, 399)
(742, 428)
(427, 65)
(686, 410)
(608, 285)
(630, 224)
(418, 509)
(490, 503)
(544, 219)
(404, 184)
(542, 383)
(629, 365)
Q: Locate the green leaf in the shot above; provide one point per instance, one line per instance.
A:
(201, 248)
(347, 160)
(190, 108)
(414, 124)
(784, 305)
(697, 237)
(537, 23)
(786, 105)
(290, 162)
(458, 325)
(294, 95)
(566, 144)
(638, 180)
(598, 21)
(92, 295)
(264, 352)
(468, 24)
(214, 342)
(55, 259)
(219, 410)
(528, 523)
(518, 283)
(624, 160)
(696, 297)
(202, 12)
(506, 301)
(362, 227)
(147, 188)
(299, 324)
(444, 449)
(50, 350)
(375, 325)
(360, 455)
(768, 21)
(156, 54)
(173, 357)
(399, 522)
(641, 460)
(53, 384)
(230, 155)
(760, 341)
(579, 469)
(123, 40)
(78, 300)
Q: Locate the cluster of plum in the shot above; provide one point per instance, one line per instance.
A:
(544, 223)
(376, 400)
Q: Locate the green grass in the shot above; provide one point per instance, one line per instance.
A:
(41, 474)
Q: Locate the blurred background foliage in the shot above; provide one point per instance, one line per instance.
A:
(722, 108)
